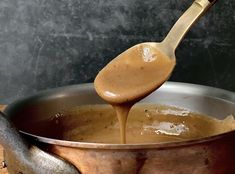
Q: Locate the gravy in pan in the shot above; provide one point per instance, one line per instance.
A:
(146, 124)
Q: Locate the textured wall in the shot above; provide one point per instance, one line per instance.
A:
(50, 43)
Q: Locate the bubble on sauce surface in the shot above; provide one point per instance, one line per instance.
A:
(56, 118)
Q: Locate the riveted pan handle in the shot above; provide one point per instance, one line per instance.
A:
(21, 157)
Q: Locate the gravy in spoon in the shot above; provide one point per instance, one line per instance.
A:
(132, 76)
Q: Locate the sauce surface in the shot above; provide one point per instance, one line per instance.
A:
(146, 124)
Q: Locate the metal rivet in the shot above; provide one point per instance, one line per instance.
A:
(3, 165)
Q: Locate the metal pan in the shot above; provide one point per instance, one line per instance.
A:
(27, 152)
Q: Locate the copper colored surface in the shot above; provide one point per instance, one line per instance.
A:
(209, 157)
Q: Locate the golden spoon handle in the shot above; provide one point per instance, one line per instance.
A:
(185, 22)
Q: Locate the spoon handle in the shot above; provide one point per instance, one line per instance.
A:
(185, 22)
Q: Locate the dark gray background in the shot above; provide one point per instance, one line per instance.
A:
(50, 43)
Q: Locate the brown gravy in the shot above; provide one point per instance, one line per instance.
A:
(146, 124)
(132, 76)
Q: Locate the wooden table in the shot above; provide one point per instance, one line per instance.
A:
(2, 171)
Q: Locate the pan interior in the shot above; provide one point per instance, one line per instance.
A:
(45, 108)
(147, 123)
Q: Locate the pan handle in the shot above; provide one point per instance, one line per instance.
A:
(21, 157)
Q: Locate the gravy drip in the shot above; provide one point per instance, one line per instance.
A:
(132, 76)
(122, 112)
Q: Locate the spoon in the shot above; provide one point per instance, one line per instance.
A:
(144, 67)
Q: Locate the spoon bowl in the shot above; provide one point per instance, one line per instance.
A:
(134, 74)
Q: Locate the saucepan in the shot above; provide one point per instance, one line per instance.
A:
(30, 153)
